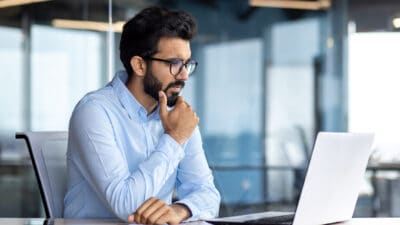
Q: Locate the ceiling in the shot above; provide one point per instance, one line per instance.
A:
(373, 15)
(96, 10)
(369, 15)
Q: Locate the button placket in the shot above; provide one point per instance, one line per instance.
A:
(147, 134)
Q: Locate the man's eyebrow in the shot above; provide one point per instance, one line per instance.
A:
(172, 58)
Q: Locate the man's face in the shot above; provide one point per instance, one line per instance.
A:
(152, 86)
(158, 76)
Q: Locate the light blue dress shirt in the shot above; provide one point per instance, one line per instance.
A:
(118, 157)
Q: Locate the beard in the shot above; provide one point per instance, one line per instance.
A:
(152, 86)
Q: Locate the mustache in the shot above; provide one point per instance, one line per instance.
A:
(176, 83)
(171, 101)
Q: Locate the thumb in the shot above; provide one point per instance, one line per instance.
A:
(131, 218)
(162, 100)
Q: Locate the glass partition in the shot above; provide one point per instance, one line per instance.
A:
(66, 64)
(12, 73)
(232, 118)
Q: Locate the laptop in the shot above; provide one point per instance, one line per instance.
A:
(332, 183)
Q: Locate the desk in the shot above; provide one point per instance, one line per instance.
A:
(38, 221)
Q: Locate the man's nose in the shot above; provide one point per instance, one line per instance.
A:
(183, 75)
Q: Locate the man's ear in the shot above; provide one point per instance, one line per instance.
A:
(138, 65)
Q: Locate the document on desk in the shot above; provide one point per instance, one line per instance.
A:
(252, 216)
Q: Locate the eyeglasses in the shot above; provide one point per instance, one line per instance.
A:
(176, 65)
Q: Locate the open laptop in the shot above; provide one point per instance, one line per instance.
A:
(331, 185)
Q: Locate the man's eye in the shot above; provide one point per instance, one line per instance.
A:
(176, 61)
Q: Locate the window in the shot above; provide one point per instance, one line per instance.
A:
(11, 76)
(232, 119)
(66, 64)
(374, 89)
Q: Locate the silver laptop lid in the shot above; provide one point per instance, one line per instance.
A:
(333, 179)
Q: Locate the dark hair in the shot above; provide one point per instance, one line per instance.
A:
(141, 34)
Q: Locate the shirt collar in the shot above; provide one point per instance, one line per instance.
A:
(128, 101)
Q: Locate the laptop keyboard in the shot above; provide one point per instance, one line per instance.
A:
(278, 220)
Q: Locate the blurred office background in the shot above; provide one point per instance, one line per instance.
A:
(271, 75)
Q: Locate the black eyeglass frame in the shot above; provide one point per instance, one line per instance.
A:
(173, 61)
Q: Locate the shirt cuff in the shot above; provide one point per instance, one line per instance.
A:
(192, 208)
(197, 213)
(171, 149)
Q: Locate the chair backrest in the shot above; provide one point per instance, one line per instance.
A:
(48, 155)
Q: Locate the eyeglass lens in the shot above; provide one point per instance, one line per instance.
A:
(176, 67)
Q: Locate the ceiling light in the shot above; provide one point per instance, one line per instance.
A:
(87, 25)
(292, 4)
(9, 3)
(396, 22)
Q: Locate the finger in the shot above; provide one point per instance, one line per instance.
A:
(138, 216)
(152, 209)
(186, 103)
(131, 218)
(145, 205)
(162, 100)
(154, 218)
(164, 218)
(179, 100)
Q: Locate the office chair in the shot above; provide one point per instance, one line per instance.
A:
(48, 155)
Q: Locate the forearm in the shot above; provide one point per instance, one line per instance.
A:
(195, 186)
(125, 191)
(182, 211)
(203, 203)
(147, 181)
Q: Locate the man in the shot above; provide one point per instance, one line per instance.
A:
(127, 151)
